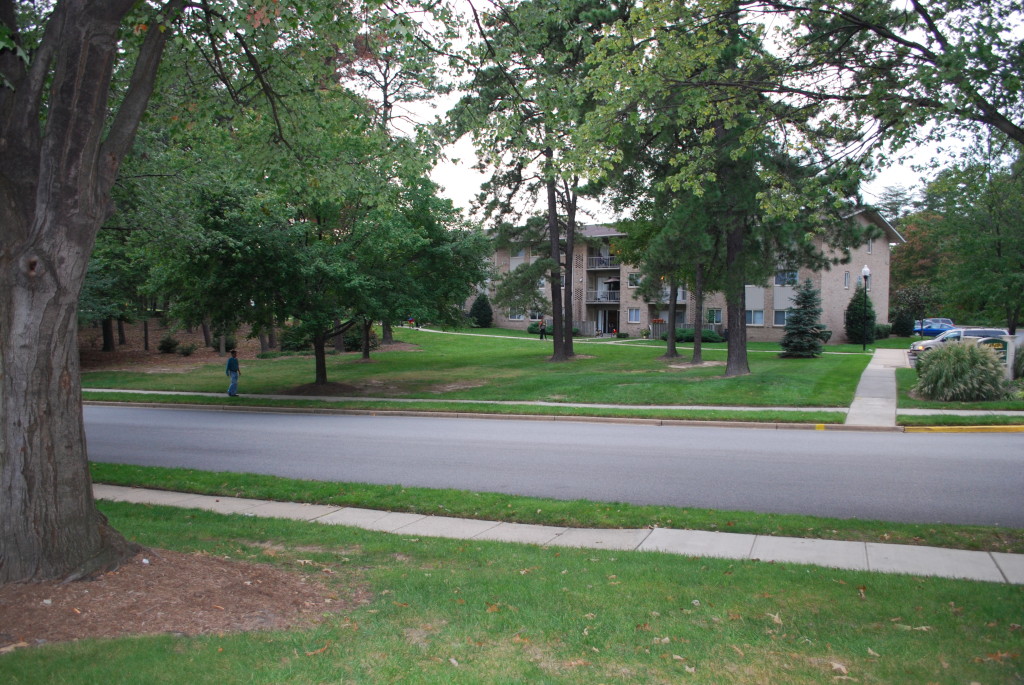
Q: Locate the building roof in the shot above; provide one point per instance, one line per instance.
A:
(873, 217)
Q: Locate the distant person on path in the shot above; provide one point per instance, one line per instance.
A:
(543, 328)
(233, 373)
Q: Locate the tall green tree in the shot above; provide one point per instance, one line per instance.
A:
(523, 105)
(982, 235)
(762, 171)
(75, 79)
(888, 75)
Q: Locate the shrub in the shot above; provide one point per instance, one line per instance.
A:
(187, 350)
(229, 342)
(960, 373)
(481, 312)
(882, 331)
(903, 323)
(860, 318)
(686, 335)
(352, 339)
(802, 339)
(295, 339)
(620, 334)
(167, 345)
(1018, 362)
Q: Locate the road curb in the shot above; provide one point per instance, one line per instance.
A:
(509, 417)
(963, 429)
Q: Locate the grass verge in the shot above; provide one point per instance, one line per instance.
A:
(453, 612)
(755, 416)
(575, 513)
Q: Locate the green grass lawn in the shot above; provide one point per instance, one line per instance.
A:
(493, 368)
(447, 611)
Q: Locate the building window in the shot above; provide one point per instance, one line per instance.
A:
(633, 315)
(515, 316)
(755, 317)
(633, 279)
(846, 280)
(713, 316)
(871, 245)
(785, 278)
(780, 317)
(521, 253)
(536, 316)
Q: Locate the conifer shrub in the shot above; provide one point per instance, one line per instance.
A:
(481, 314)
(903, 323)
(802, 338)
(960, 373)
(860, 319)
(168, 344)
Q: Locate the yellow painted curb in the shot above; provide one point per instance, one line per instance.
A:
(963, 429)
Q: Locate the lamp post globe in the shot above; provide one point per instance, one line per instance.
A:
(865, 273)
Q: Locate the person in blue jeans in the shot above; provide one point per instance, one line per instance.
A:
(233, 373)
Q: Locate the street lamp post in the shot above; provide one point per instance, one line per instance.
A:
(865, 272)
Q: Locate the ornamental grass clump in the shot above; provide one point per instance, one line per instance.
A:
(961, 373)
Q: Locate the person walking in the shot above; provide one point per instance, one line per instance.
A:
(232, 371)
(543, 328)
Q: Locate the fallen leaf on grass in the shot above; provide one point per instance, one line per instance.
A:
(775, 618)
(319, 651)
(493, 608)
(11, 648)
(839, 668)
(453, 662)
(998, 657)
(872, 652)
(737, 650)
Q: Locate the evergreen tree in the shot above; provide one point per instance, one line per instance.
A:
(802, 338)
(481, 313)
(860, 318)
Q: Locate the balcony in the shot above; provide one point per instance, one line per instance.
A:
(600, 296)
(602, 263)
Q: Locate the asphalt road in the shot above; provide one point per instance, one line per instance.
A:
(965, 478)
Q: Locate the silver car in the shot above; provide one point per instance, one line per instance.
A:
(953, 335)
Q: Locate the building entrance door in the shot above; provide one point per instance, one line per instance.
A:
(610, 322)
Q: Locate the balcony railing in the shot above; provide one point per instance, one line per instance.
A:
(603, 295)
(602, 263)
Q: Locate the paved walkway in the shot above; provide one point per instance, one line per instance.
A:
(856, 556)
(874, 402)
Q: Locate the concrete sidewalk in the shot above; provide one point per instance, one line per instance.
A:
(874, 402)
(857, 556)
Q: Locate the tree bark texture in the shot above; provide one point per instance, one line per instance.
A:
(557, 319)
(55, 185)
(736, 299)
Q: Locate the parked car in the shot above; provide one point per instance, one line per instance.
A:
(929, 328)
(953, 335)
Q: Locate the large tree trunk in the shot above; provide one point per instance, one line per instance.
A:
(55, 185)
(367, 327)
(670, 345)
(736, 298)
(557, 318)
(698, 315)
(320, 358)
(570, 250)
(107, 326)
